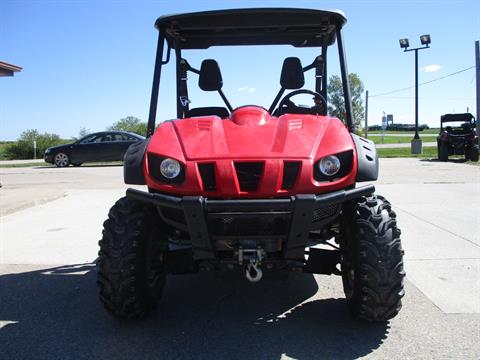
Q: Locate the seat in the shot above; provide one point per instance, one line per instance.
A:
(208, 111)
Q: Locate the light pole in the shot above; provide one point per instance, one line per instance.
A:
(404, 44)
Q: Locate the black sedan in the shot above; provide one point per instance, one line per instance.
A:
(101, 146)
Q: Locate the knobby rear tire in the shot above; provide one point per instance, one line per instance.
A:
(473, 154)
(442, 152)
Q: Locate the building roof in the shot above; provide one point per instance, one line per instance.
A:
(262, 26)
(7, 69)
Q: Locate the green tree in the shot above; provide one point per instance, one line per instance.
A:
(23, 147)
(81, 133)
(130, 124)
(336, 104)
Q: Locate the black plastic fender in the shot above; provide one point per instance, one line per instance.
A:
(367, 159)
(133, 163)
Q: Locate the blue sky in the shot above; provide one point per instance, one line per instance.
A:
(90, 63)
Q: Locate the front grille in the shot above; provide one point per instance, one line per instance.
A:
(207, 172)
(290, 173)
(253, 224)
(249, 174)
(325, 212)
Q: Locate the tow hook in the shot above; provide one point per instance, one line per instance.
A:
(253, 272)
(253, 259)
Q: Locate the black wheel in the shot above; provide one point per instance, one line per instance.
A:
(372, 259)
(473, 154)
(130, 269)
(76, 164)
(442, 152)
(61, 159)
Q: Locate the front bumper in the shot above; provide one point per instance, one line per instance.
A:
(48, 157)
(293, 217)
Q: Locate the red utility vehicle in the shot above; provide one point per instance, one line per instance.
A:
(249, 188)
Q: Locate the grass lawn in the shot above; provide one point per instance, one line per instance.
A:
(44, 164)
(26, 164)
(428, 152)
(409, 133)
(396, 139)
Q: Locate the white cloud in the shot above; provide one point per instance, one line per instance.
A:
(246, 88)
(431, 68)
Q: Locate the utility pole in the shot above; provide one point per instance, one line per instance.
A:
(477, 71)
(366, 114)
(416, 137)
(416, 144)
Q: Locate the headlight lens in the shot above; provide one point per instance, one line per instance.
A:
(170, 168)
(47, 151)
(329, 165)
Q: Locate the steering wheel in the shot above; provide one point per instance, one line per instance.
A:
(287, 104)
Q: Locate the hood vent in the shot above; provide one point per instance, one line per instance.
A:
(290, 174)
(249, 174)
(204, 124)
(295, 124)
(207, 172)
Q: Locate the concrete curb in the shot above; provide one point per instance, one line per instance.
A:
(29, 204)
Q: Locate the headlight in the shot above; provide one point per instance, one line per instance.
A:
(332, 167)
(166, 170)
(170, 168)
(47, 151)
(329, 165)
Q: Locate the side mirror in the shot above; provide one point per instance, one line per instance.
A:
(292, 77)
(210, 78)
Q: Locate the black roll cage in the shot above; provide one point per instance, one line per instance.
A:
(325, 26)
(451, 118)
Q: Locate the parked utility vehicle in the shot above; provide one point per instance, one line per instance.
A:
(251, 188)
(458, 137)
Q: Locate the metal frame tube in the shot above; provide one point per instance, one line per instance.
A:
(156, 85)
(178, 58)
(325, 75)
(346, 84)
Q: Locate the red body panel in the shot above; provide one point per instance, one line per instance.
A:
(251, 134)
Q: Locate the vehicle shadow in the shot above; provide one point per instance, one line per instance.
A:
(93, 165)
(454, 160)
(55, 313)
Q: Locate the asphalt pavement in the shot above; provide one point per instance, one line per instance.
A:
(48, 298)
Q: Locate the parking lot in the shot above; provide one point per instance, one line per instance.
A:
(51, 223)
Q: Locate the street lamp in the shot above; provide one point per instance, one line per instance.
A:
(404, 44)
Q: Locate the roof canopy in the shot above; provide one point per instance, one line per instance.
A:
(7, 69)
(264, 26)
(456, 117)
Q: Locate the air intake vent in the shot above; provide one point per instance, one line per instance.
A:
(325, 212)
(249, 174)
(290, 173)
(207, 172)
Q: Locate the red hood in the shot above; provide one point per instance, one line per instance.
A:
(251, 133)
